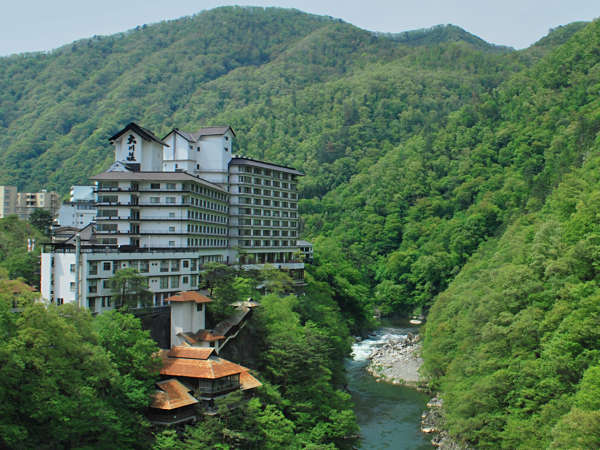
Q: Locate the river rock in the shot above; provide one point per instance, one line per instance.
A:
(397, 361)
(432, 421)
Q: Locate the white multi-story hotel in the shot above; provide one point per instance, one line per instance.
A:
(168, 206)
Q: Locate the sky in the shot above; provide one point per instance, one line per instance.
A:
(40, 25)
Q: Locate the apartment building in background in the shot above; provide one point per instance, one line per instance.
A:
(27, 202)
(8, 201)
(81, 209)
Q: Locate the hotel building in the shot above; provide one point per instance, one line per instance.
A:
(168, 206)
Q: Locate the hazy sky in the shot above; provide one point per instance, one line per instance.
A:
(33, 25)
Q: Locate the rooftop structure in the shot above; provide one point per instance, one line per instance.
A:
(209, 376)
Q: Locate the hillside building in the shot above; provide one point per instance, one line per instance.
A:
(168, 206)
(27, 202)
(8, 201)
(81, 209)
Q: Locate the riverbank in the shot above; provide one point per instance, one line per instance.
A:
(397, 361)
(389, 415)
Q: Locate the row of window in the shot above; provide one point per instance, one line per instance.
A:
(266, 172)
(203, 242)
(274, 233)
(199, 215)
(267, 243)
(206, 192)
(267, 192)
(267, 202)
(266, 182)
(203, 204)
(143, 265)
(174, 282)
(268, 223)
(163, 283)
(193, 228)
(267, 212)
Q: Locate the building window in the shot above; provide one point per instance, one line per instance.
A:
(185, 280)
(72, 286)
(106, 266)
(199, 306)
(72, 268)
(154, 185)
(171, 199)
(171, 229)
(185, 263)
(93, 268)
(171, 243)
(154, 199)
(175, 282)
(164, 282)
(171, 186)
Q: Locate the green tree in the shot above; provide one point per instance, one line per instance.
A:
(130, 289)
(41, 219)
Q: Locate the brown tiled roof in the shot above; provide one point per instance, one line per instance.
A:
(208, 335)
(190, 352)
(172, 395)
(210, 369)
(247, 381)
(189, 296)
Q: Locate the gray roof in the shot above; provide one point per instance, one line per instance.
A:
(239, 160)
(143, 132)
(212, 131)
(207, 131)
(154, 176)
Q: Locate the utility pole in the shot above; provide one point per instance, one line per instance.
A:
(77, 270)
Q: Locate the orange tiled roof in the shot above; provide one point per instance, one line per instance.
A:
(247, 381)
(201, 335)
(189, 296)
(210, 369)
(190, 352)
(172, 395)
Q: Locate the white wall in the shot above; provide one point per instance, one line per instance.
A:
(148, 154)
(60, 276)
(214, 157)
(185, 318)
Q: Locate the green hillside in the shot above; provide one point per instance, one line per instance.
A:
(514, 341)
(442, 172)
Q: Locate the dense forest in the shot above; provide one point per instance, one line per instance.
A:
(443, 174)
(70, 380)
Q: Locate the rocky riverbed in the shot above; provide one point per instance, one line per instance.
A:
(397, 361)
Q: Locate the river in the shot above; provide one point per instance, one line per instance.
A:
(389, 416)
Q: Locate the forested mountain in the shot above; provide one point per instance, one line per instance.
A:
(440, 170)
